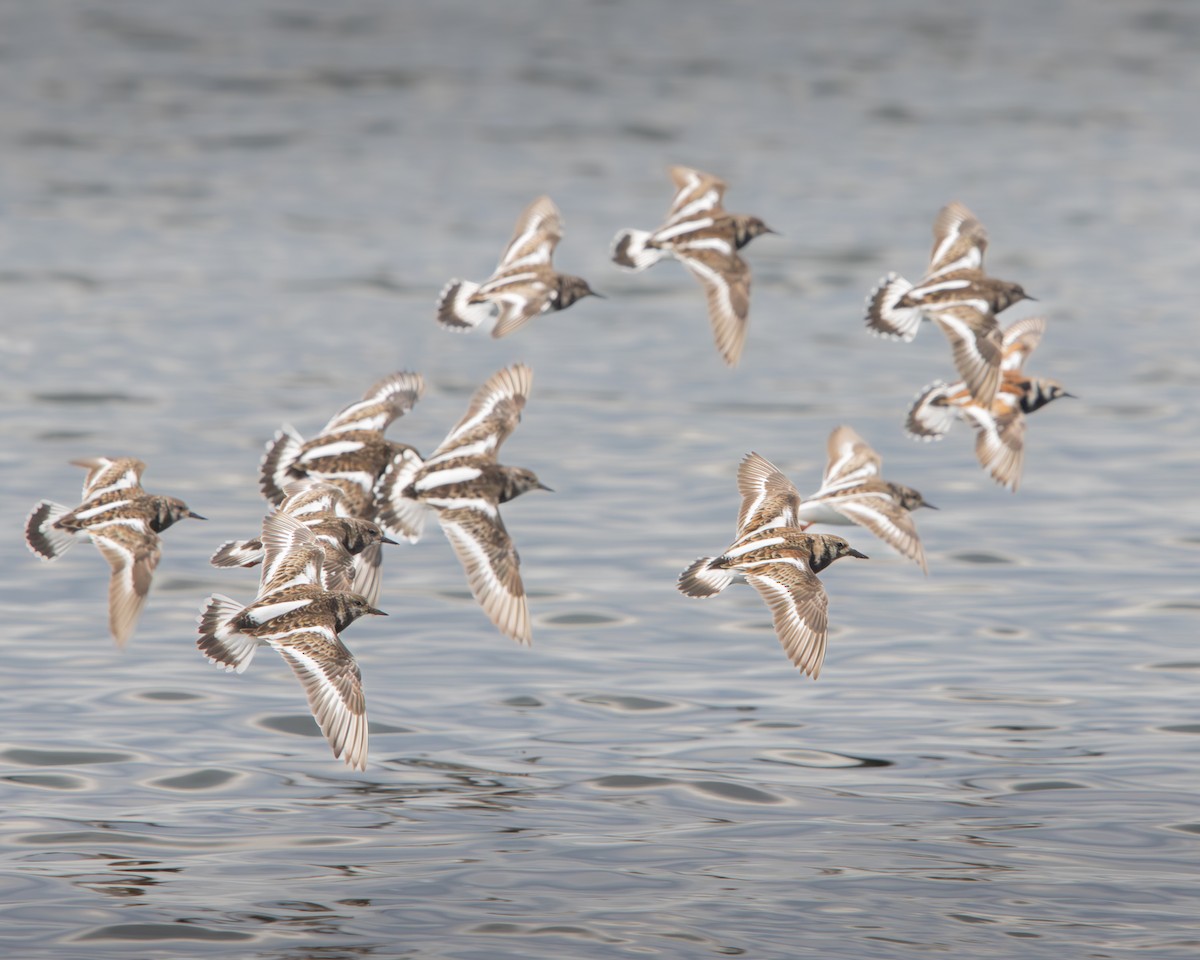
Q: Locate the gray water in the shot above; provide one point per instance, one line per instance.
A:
(219, 217)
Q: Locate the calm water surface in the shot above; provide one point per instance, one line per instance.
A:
(216, 218)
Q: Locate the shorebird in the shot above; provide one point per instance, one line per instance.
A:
(1000, 425)
(524, 283)
(123, 521)
(302, 621)
(705, 238)
(463, 483)
(852, 492)
(782, 564)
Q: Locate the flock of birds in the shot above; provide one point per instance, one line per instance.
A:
(337, 499)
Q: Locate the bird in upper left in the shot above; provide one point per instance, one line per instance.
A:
(123, 521)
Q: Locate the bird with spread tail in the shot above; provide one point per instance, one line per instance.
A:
(956, 294)
(464, 484)
(123, 521)
(781, 562)
(524, 283)
(705, 238)
(302, 621)
(1000, 425)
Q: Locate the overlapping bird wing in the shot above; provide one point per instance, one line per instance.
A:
(292, 554)
(518, 298)
(884, 517)
(1021, 338)
(977, 346)
(311, 499)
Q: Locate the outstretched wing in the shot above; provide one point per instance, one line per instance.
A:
(799, 607)
(697, 193)
(999, 444)
(492, 565)
(885, 518)
(1020, 340)
(768, 497)
(133, 552)
(109, 475)
(851, 459)
(332, 683)
(291, 554)
(492, 415)
(518, 299)
(959, 241)
(538, 230)
(977, 346)
(725, 278)
(391, 397)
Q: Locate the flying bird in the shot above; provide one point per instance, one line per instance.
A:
(705, 238)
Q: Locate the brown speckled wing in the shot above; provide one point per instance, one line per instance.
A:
(959, 240)
(768, 496)
(850, 458)
(725, 278)
(1021, 338)
(799, 606)
(332, 683)
(538, 230)
(107, 475)
(977, 346)
(999, 444)
(696, 192)
(492, 566)
(385, 401)
(885, 518)
(133, 554)
(493, 414)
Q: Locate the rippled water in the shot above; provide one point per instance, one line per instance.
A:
(216, 218)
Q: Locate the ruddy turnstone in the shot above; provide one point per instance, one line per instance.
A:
(464, 484)
(957, 295)
(297, 617)
(782, 564)
(701, 235)
(320, 507)
(999, 426)
(852, 492)
(523, 284)
(955, 276)
(123, 521)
